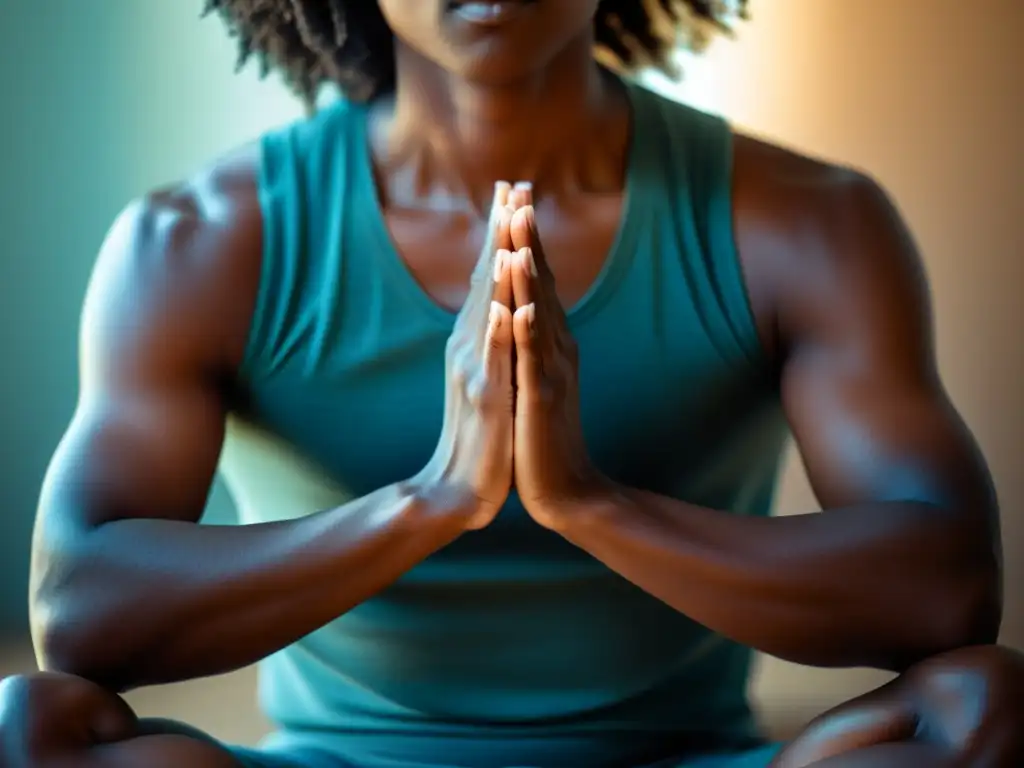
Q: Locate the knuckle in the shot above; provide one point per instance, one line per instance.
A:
(478, 392)
(487, 395)
(495, 340)
(543, 395)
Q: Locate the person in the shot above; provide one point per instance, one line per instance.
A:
(505, 452)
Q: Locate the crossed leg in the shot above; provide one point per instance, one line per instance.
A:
(56, 720)
(964, 709)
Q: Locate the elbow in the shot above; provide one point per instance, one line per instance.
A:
(983, 612)
(73, 631)
(970, 613)
(60, 647)
(71, 644)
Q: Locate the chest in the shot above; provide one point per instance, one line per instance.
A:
(657, 411)
(441, 250)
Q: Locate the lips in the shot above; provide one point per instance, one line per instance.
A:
(488, 12)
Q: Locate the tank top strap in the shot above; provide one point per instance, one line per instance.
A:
(696, 153)
(304, 184)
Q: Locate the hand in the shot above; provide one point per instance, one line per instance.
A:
(551, 465)
(474, 453)
(47, 717)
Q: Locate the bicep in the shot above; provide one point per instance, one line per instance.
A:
(147, 453)
(879, 436)
(149, 423)
(859, 381)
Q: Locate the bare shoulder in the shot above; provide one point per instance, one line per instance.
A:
(820, 243)
(179, 270)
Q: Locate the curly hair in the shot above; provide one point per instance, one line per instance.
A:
(348, 42)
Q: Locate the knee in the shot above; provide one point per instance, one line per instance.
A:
(971, 699)
(46, 714)
(967, 704)
(982, 678)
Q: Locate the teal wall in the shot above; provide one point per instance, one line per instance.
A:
(100, 101)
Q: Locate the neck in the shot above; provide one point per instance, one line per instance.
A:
(449, 139)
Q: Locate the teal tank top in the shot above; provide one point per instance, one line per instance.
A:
(510, 646)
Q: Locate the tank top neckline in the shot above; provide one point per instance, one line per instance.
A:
(616, 262)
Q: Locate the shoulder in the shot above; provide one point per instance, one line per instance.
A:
(180, 267)
(819, 242)
(794, 190)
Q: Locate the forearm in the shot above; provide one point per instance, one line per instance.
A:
(139, 602)
(880, 585)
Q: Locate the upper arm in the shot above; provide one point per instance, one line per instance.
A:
(165, 313)
(859, 381)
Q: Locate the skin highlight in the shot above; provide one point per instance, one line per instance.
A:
(841, 308)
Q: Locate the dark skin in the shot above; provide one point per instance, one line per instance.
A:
(905, 493)
(905, 556)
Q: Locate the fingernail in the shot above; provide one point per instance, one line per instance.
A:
(500, 259)
(528, 261)
(524, 186)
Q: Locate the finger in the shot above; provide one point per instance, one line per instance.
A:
(523, 191)
(524, 277)
(498, 238)
(498, 346)
(523, 230)
(528, 358)
(514, 198)
(499, 203)
(502, 293)
(519, 229)
(502, 190)
(521, 194)
(525, 235)
(502, 232)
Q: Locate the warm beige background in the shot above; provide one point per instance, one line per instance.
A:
(925, 94)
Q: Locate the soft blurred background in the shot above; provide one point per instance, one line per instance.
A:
(108, 98)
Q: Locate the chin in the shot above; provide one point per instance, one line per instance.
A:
(492, 43)
(497, 71)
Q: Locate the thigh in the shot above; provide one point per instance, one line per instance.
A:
(50, 720)
(158, 751)
(238, 756)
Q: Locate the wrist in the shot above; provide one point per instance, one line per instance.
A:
(444, 501)
(588, 503)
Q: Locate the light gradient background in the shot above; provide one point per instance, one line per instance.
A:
(104, 99)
